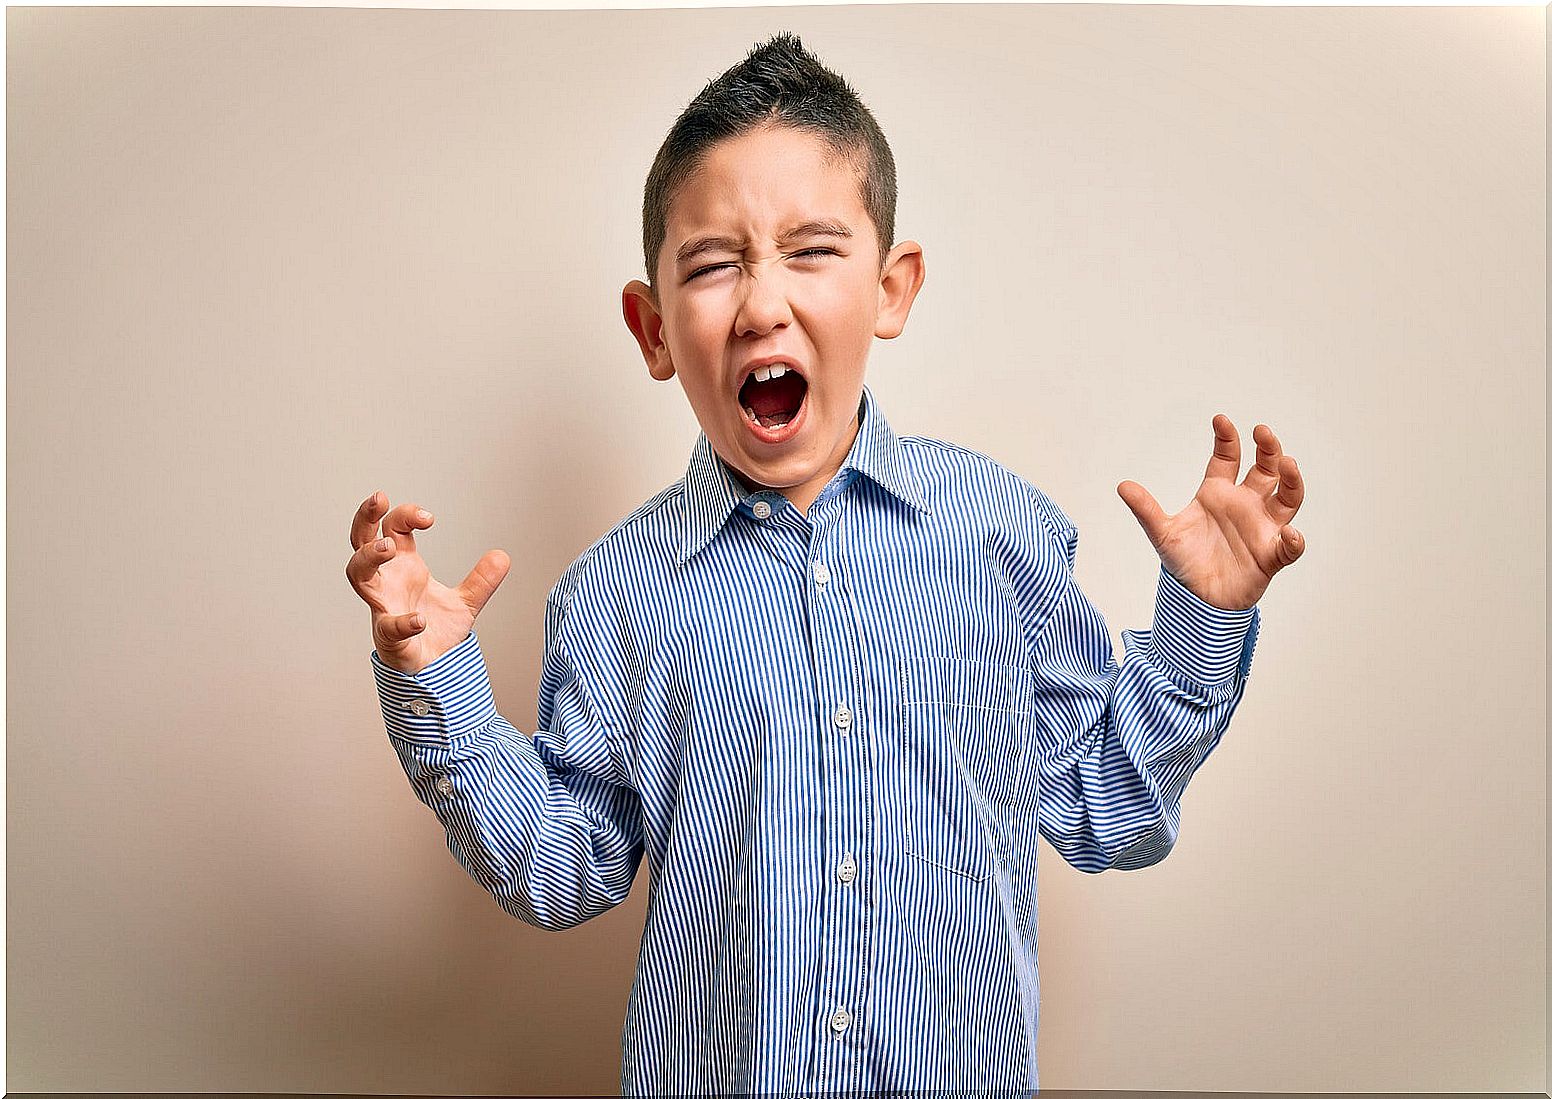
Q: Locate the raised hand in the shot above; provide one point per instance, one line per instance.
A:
(1231, 539)
(414, 618)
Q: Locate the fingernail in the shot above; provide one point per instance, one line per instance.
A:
(383, 544)
(423, 513)
(416, 621)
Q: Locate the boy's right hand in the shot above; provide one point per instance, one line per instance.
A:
(414, 618)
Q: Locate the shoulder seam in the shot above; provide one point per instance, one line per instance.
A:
(1037, 498)
(579, 568)
(944, 444)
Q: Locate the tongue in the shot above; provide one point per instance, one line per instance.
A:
(778, 397)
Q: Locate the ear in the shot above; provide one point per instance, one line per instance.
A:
(904, 271)
(646, 323)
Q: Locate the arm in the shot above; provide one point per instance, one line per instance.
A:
(1117, 744)
(550, 827)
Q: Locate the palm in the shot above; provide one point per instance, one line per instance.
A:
(405, 584)
(1231, 539)
(414, 618)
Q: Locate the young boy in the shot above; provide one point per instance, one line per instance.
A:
(833, 683)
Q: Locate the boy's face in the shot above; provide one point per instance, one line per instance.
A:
(813, 300)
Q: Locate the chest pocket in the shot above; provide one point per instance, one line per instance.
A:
(969, 737)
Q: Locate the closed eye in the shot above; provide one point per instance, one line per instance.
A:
(805, 252)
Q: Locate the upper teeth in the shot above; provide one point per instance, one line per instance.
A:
(766, 373)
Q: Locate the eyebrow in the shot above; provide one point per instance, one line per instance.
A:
(692, 248)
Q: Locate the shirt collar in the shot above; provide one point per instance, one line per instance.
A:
(712, 493)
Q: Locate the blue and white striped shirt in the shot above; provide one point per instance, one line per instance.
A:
(836, 738)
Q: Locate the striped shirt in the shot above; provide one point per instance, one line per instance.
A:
(836, 738)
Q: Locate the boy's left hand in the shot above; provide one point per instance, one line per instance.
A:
(1231, 539)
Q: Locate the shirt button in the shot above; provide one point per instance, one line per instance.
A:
(848, 869)
(839, 1020)
(842, 717)
(444, 785)
(420, 707)
(762, 510)
(821, 574)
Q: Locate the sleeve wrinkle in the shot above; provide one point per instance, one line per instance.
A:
(1117, 741)
(543, 824)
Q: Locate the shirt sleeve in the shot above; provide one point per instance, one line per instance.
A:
(550, 827)
(1118, 743)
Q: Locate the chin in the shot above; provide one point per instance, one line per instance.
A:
(779, 475)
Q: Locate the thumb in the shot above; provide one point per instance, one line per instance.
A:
(1144, 507)
(1290, 547)
(394, 629)
(483, 579)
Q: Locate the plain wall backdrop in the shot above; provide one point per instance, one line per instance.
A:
(262, 262)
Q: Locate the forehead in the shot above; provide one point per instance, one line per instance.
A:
(764, 182)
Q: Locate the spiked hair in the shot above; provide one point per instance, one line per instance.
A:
(778, 84)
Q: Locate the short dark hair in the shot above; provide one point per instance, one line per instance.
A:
(778, 84)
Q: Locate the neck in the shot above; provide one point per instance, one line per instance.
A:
(803, 495)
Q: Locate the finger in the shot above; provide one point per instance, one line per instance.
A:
(363, 525)
(364, 563)
(1225, 458)
(1263, 475)
(395, 628)
(1145, 508)
(1290, 491)
(1289, 548)
(483, 579)
(403, 521)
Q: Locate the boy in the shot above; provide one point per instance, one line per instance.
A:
(833, 683)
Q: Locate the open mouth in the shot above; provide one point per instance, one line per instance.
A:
(772, 396)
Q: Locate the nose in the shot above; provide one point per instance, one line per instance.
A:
(764, 305)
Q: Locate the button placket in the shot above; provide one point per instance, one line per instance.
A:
(846, 916)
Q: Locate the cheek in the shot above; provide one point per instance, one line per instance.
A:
(851, 310)
(843, 346)
(698, 353)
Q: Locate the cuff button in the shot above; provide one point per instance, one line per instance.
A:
(420, 707)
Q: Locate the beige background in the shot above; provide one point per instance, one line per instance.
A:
(265, 261)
